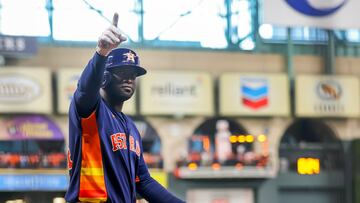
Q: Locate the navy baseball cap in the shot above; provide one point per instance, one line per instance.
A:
(123, 57)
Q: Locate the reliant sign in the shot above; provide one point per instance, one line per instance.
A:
(176, 93)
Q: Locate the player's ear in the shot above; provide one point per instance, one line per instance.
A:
(106, 79)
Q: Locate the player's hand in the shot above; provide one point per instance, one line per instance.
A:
(110, 38)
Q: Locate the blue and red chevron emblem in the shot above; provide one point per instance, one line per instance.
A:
(254, 92)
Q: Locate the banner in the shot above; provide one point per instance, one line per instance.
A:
(327, 96)
(176, 93)
(216, 195)
(29, 127)
(18, 45)
(67, 79)
(336, 14)
(249, 94)
(34, 182)
(25, 90)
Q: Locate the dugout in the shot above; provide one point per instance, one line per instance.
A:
(313, 167)
(207, 175)
(152, 149)
(312, 164)
(151, 143)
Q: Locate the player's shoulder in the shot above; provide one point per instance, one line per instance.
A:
(74, 112)
(128, 119)
(104, 106)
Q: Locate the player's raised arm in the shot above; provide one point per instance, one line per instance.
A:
(87, 94)
(110, 38)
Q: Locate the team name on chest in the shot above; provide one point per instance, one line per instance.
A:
(118, 142)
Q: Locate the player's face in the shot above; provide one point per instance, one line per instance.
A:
(122, 85)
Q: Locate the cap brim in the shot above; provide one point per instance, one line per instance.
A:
(139, 70)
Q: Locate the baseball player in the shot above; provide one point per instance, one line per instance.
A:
(105, 151)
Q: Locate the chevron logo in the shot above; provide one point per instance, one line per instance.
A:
(254, 92)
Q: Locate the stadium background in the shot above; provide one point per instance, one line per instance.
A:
(277, 155)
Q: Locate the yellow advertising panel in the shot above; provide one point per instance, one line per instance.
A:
(160, 176)
(176, 93)
(327, 96)
(250, 94)
(25, 90)
(67, 79)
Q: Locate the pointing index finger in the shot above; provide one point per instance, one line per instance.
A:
(115, 19)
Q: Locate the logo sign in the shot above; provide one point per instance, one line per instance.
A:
(18, 45)
(18, 88)
(174, 89)
(176, 93)
(71, 86)
(316, 7)
(254, 92)
(25, 90)
(329, 93)
(67, 80)
(329, 90)
(331, 96)
(335, 14)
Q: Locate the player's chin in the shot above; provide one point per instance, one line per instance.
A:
(128, 92)
(125, 95)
